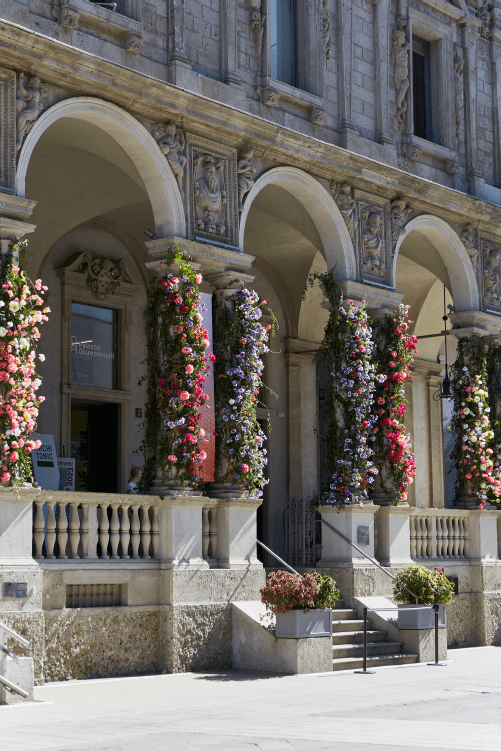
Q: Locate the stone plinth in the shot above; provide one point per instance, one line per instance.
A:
(236, 533)
(354, 522)
(180, 532)
(393, 547)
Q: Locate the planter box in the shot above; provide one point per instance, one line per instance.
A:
(413, 617)
(298, 624)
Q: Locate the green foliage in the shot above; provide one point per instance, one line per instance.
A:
(328, 593)
(430, 587)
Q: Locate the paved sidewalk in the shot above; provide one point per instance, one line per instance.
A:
(456, 707)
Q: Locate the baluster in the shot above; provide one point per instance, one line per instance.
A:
(430, 523)
(450, 537)
(104, 535)
(84, 530)
(155, 532)
(461, 537)
(125, 531)
(96, 595)
(440, 537)
(51, 529)
(422, 529)
(205, 533)
(413, 536)
(145, 532)
(467, 537)
(89, 595)
(62, 534)
(135, 527)
(455, 541)
(417, 522)
(213, 533)
(74, 530)
(39, 527)
(114, 530)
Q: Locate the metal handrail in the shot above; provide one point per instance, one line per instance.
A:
(278, 558)
(14, 635)
(372, 560)
(5, 632)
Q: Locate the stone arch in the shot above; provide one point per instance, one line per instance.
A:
(141, 147)
(320, 205)
(464, 287)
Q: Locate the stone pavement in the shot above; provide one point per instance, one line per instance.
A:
(410, 708)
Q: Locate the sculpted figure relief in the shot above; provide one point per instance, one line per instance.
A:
(372, 243)
(209, 193)
(171, 142)
(326, 30)
(491, 275)
(459, 95)
(469, 238)
(400, 58)
(30, 101)
(245, 172)
(399, 213)
(346, 205)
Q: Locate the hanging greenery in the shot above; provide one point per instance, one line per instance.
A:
(477, 477)
(176, 367)
(238, 372)
(494, 390)
(347, 350)
(394, 353)
(20, 313)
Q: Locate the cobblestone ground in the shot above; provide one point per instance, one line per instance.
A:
(410, 708)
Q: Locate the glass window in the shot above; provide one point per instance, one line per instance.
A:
(421, 89)
(93, 346)
(283, 34)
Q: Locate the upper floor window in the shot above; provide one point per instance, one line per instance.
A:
(423, 89)
(283, 41)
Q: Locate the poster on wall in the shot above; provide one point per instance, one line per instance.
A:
(208, 418)
(44, 460)
(66, 473)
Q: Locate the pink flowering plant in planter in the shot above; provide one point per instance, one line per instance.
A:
(21, 313)
(394, 353)
(285, 591)
(430, 587)
(177, 364)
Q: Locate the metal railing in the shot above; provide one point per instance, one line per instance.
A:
(5, 633)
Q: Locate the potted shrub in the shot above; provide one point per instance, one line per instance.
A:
(430, 587)
(302, 604)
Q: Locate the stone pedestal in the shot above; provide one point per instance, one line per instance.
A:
(393, 535)
(483, 536)
(180, 532)
(357, 524)
(236, 533)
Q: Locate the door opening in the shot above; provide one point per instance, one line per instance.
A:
(94, 445)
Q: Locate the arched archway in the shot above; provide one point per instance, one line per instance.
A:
(140, 146)
(447, 243)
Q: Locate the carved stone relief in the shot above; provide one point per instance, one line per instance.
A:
(134, 43)
(399, 213)
(256, 18)
(326, 30)
(374, 241)
(212, 191)
(491, 254)
(400, 59)
(245, 172)
(7, 128)
(459, 93)
(484, 15)
(470, 241)
(270, 98)
(69, 18)
(172, 144)
(347, 206)
(31, 99)
(102, 275)
(318, 116)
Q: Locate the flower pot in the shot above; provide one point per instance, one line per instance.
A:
(412, 616)
(300, 624)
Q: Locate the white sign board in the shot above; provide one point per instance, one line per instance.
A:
(66, 473)
(45, 463)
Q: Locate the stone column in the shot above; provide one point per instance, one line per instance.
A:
(345, 38)
(228, 34)
(381, 14)
(178, 59)
(496, 89)
(470, 46)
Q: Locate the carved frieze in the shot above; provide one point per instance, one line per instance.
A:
(399, 212)
(490, 257)
(346, 205)
(374, 243)
(31, 99)
(7, 128)
(400, 58)
(212, 191)
(245, 172)
(469, 238)
(171, 142)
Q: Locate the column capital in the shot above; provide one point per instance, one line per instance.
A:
(379, 301)
(467, 323)
(297, 350)
(212, 258)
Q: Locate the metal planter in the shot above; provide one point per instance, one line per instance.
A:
(413, 616)
(300, 624)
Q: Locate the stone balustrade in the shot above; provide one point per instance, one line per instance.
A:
(439, 533)
(90, 526)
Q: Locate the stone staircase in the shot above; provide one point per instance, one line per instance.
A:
(348, 640)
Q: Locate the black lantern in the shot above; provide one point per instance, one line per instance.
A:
(445, 391)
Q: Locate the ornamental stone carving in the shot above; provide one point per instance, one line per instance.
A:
(346, 205)
(491, 255)
(318, 116)
(372, 243)
(172, 144)
(257, 19)
(399, 213)
(270, 98)
(484, 15)
(326, 30)
(31, 100)
(134, 43)
(245, 172)
(459, 93)
(7, 128)
(212, 190)
(470, 241)
(400, 59)
(102, 275)
(69, 18)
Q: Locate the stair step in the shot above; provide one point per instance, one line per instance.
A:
(374, 649)
(341, 614)
(348, 625)
(357, 637)
(374, 661)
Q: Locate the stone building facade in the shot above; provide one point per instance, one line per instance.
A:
(269, 139)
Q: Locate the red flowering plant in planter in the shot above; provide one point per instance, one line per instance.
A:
(285, 591)
(177, 364)
(394, 353)
(21, 312)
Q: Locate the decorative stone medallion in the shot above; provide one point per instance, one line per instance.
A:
(212, 191)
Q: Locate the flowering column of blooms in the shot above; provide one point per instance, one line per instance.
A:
(177, 363)
(20, 313)
(477, 476)
(394, 354)
(347, 350)
(241, 343)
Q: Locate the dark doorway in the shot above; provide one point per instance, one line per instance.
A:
(94, 445)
